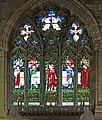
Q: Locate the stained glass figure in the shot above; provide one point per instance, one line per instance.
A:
(83, 81)
(51, 20)
(68, 74)
(34, 74)
(85, 73)
(52, 78)
(75, 30)
(51, 84)
(27, 32)
(18, 66)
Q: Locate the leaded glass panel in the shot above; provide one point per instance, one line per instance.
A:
(18, 79)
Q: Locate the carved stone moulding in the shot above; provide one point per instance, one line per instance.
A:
(51, 111)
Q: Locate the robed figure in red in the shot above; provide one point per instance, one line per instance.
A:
(17, 75)
(18, 65)
(85, 73)
(52, 79)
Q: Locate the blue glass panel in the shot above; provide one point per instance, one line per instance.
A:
(76, 23)
(60, 18)
(51, 13)
(84, 41)
(34, 42)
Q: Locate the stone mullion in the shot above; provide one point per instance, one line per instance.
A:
(75, 80)
(76, 75)
(26, 82)
(59, 77)
(42, 77)
(10, 95)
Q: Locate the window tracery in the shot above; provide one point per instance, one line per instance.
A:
(51, 68)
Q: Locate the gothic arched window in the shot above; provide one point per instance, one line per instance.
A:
(50, 58)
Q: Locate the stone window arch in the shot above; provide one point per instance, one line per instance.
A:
(34, 29)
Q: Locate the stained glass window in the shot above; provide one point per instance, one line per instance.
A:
(51, 68)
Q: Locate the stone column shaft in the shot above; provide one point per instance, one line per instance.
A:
(2, 81)
(98, 108)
